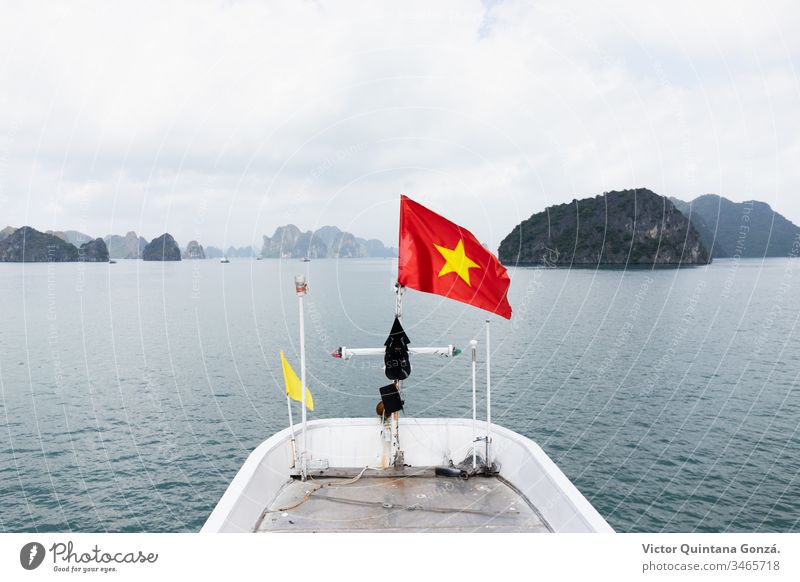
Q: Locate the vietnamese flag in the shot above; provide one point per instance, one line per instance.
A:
(438, 256)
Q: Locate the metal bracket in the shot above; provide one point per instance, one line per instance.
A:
(311, 465)
(487, 439)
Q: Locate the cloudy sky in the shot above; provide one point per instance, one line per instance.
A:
(222, 120)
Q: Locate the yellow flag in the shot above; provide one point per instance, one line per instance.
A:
(293, 384)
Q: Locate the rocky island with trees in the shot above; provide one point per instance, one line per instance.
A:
(28, 245)
(162, 248)
(628, 227)
(634, 227)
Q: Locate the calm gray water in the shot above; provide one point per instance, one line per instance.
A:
(130, 394)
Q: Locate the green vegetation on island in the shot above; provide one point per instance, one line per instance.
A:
(162, 248)
(28, 245)
(628, 227)
(740, 229)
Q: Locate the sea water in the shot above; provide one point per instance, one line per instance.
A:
(130, 394)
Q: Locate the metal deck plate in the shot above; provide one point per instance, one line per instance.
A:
(402, 503)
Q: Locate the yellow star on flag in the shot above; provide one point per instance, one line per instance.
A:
(456, 261)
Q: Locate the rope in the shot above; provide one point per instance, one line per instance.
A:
(308, 495)
(305, 498)
(415, 507)
(346, 481)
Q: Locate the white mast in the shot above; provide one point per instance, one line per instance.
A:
(291, 430)
(474, 345)
(394, 423)
(301, 287)
(488, 398)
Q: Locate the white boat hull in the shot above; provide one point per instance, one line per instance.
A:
(426, 442)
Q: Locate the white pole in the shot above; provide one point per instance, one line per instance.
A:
(398, 306)
(488, 396)
(291, 430)
(303, 382)
(301, 287)
(474, 345)
(395, 420)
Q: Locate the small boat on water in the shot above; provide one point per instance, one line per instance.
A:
(224, 260)
(398, 474)
(112, 262)
(306, 260)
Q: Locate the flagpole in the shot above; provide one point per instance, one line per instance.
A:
(395, 420)
(301, 287)
(291, 430)
(398, 306)
(474, 345)
(488, 397)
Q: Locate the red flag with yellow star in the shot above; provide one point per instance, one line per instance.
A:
(438, 256)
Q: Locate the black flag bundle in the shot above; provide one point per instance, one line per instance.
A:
(396, 357)
(390, 397)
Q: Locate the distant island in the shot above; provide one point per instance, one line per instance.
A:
(326, 242)
(194, 250)
(628, 227)
(162, 248)
(28, 245)
(287, 242)
(129, 246)
(739, 229)
(71, 236)
(240, 252)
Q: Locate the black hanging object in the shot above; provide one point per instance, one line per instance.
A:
(396, 357)
(390, 397)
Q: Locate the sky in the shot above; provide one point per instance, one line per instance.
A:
(219, 121)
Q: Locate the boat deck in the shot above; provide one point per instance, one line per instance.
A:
(401, 503)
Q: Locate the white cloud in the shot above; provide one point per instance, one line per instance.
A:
(220, 121)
